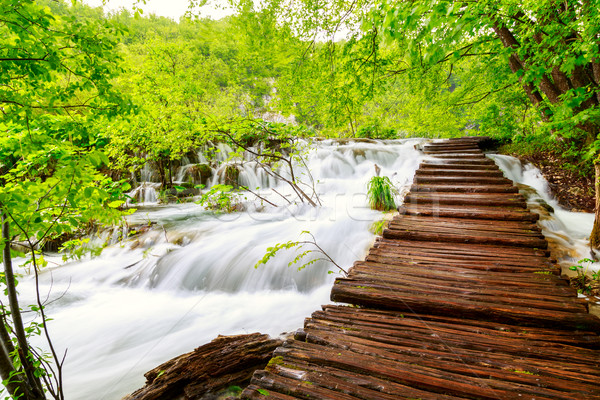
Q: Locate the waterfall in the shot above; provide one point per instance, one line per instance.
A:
(568, 230)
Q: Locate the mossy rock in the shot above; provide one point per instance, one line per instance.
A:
(231, 176)
(200, 173)
(359, 153)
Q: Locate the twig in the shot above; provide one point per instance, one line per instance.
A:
(259, 196)
(285, 198)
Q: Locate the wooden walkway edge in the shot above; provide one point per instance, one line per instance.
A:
(458, 299)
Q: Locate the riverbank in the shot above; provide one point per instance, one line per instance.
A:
(572, 191)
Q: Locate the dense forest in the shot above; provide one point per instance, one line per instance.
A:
(88, 99)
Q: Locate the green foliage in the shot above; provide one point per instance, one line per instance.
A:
(582, 280)
(298, 259)
(380, 193)
(221, 198)
(56, 73)
(377, 227)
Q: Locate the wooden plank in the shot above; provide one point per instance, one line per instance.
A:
(450, 151)
(423, 378)
(393, 298)
(451, 146)
(460, 156)
(454, 180)
(442, 165)
(331, 377)
(494, 266)
(480, 328)
(436, 345)
(461, 160)
(252, 393)
(491, 213)
(464, 188)
(526, 297)
(465, 237)
(459, 172)
(542, 282)
(458, 248)
(466, 200)
(499, 226)
(401, 256)
(505, 370)
(465, 230)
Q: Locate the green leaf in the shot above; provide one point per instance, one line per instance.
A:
(116, 204)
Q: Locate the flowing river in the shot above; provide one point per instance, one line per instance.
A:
(190, 277)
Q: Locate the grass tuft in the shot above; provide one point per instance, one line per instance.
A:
(380, 193)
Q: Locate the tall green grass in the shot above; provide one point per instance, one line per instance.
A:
(380, 193)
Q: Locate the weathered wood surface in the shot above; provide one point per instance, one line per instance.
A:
(458, 299)
(210, 370)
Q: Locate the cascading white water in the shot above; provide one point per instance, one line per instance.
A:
(190, 276)
(569, 230)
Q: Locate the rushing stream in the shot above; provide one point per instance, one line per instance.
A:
(190, 276)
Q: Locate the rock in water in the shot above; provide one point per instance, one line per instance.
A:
(210, 370)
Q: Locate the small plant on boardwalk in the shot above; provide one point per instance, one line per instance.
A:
(377, 227)
(272, 251)
(582, 282)
(380, 193)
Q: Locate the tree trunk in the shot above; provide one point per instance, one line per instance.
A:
(31, 387)
(595, 235)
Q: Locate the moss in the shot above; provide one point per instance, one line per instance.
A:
(518, 371)
(232, 174)
(275, 361)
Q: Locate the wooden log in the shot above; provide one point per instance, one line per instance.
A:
(530, 352)
(430, 262)
(467, 200)
(537, 282)
(442, 165)
(498, 226)
(423, 378)
(448, 258)
(349, 291)
(461, 160)
(253, 392)
(490, 213)
(447, 361)
(505, 251)
(578, 341)
(450, 151)
(466, 229)
(355, 384)
(526, 297)
(458, 172)
(464, 188)
(212, 368)
(457, 180)
(298, 389)
(469, 237)
(461, 156)
(451, 146)
(381, 338)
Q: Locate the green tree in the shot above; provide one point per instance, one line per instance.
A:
(55, 74)
(552, 47)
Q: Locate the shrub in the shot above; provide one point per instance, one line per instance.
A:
(380, 193)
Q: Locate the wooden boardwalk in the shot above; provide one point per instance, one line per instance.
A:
(458, 299)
